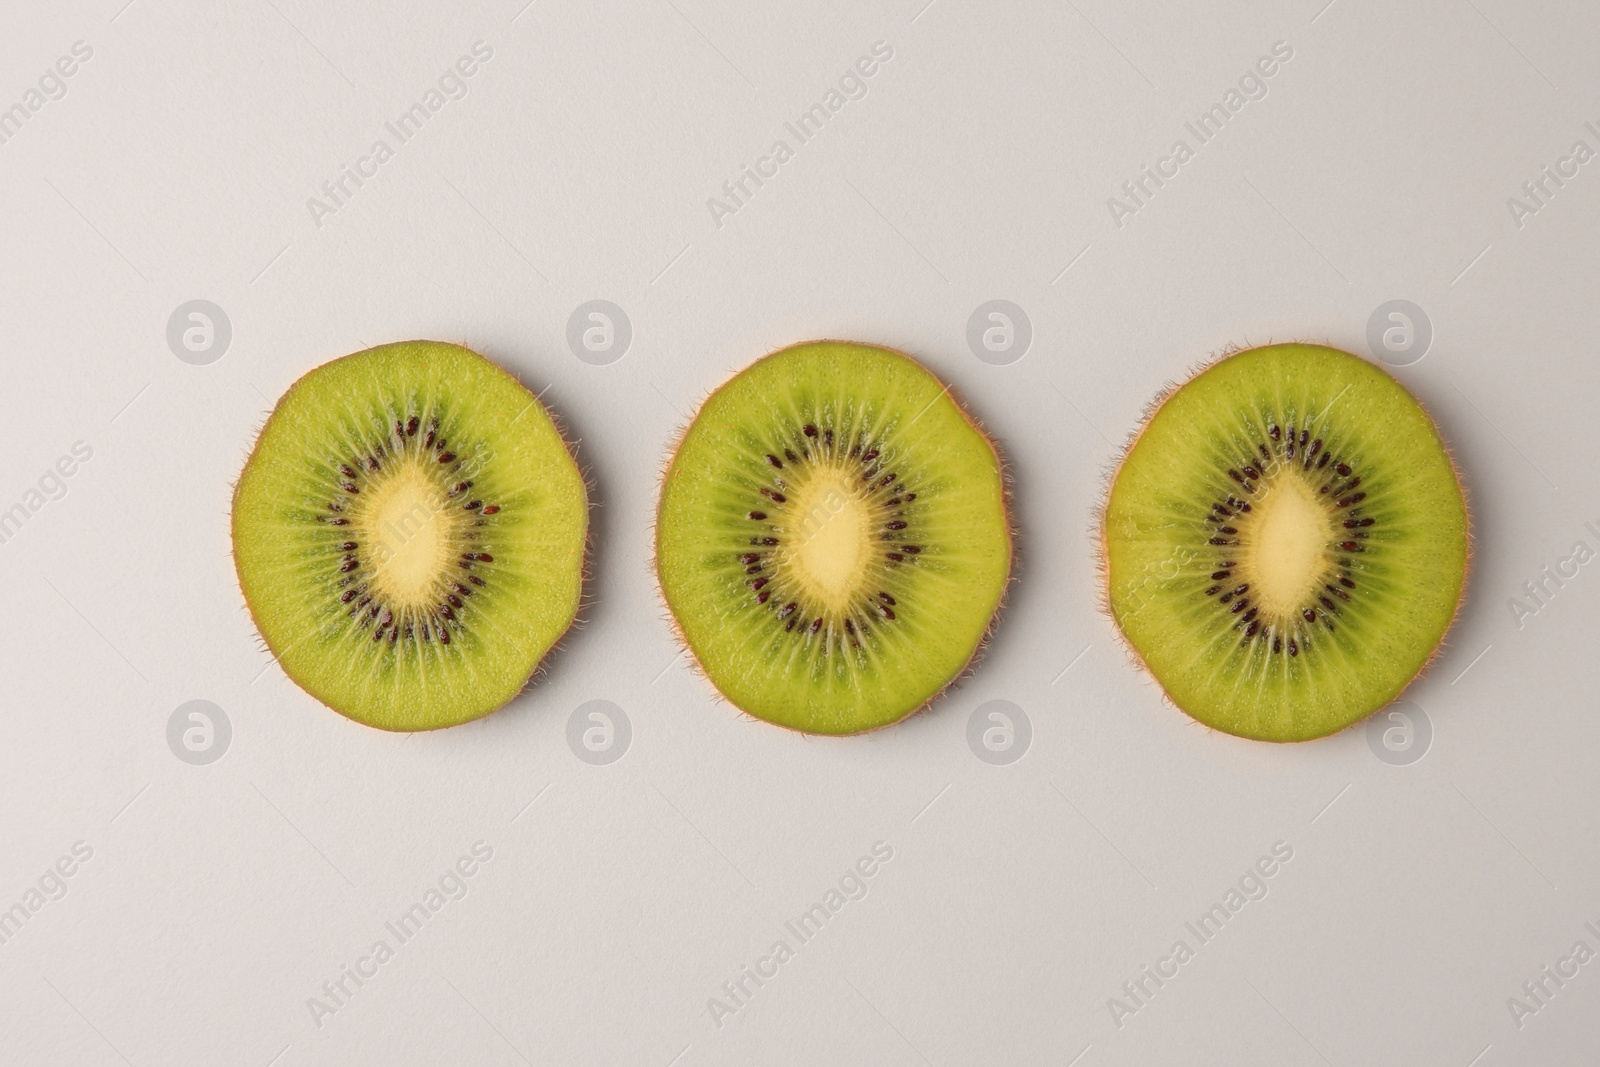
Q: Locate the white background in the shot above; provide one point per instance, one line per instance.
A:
(1019, 898)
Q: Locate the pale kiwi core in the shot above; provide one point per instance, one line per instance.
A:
(414, 534)
(1283, 553)
(832, 548)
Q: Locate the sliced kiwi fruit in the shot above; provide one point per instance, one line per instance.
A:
(1285, 542)
(833, 537)
(409, 533)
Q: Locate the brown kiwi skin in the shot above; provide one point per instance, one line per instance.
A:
(1109, 477)
(585, 574)
(995, 447)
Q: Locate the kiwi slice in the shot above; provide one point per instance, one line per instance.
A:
(409, 534)
(833, 537)
(1285, 542)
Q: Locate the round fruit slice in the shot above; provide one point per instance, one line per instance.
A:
(409, 535)
(833, 537)
(1285, 542)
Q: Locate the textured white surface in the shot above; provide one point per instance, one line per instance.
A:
(978, 165)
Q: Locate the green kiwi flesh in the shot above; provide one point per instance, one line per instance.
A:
(1285, 542)
(409, 535)
(833, 537)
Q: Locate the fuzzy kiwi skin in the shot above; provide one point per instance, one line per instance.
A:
(670, 465)
(1103, 563)
(504, 695)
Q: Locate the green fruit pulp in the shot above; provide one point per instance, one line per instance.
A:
(1286, 542)
(833, 538)
(409, 535)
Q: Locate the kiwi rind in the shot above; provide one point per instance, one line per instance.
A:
(570, 482)
(972, 658)
(1104, 565)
